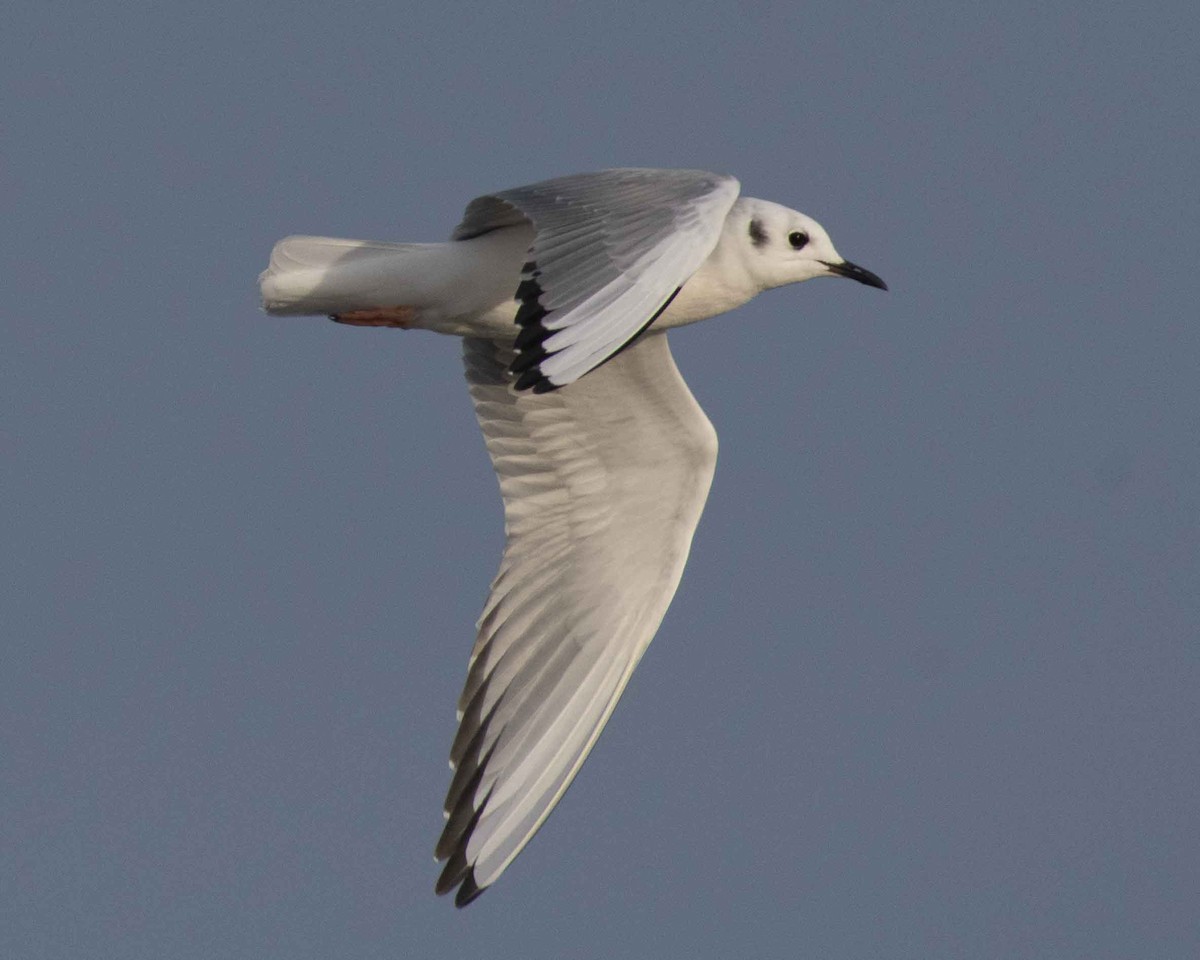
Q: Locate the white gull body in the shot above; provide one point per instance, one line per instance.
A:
(562, 291)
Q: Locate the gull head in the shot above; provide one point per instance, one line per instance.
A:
(785, 246)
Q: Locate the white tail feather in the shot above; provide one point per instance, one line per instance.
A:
(325, 275)
(463, 288)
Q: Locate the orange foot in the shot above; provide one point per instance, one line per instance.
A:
(401, 317)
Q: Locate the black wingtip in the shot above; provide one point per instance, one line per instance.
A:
(469, 891)
(531, 335)
(458, 873)
(529, 292)
(528, 356)
(533, 379)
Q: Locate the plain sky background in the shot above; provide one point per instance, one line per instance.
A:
(929, 687)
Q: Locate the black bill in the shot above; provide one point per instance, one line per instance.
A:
(852, 271)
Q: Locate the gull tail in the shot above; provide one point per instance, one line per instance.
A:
(327, 275)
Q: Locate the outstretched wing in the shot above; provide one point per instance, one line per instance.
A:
(611, 250)
(603, 485)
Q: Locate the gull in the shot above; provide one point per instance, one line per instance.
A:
(563, 292)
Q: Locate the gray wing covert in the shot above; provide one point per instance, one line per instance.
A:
(611, 250)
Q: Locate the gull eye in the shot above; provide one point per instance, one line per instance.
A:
(797, 239)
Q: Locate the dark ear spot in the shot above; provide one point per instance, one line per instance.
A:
(758, 236)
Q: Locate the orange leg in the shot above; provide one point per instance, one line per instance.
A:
(401, 317)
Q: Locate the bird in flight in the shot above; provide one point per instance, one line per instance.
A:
(563, 292)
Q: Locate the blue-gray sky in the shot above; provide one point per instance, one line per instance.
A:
(929, 687)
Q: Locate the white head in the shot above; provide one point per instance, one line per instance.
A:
(784, 246)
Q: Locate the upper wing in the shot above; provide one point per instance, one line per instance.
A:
(603, 486)
(612, 248)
